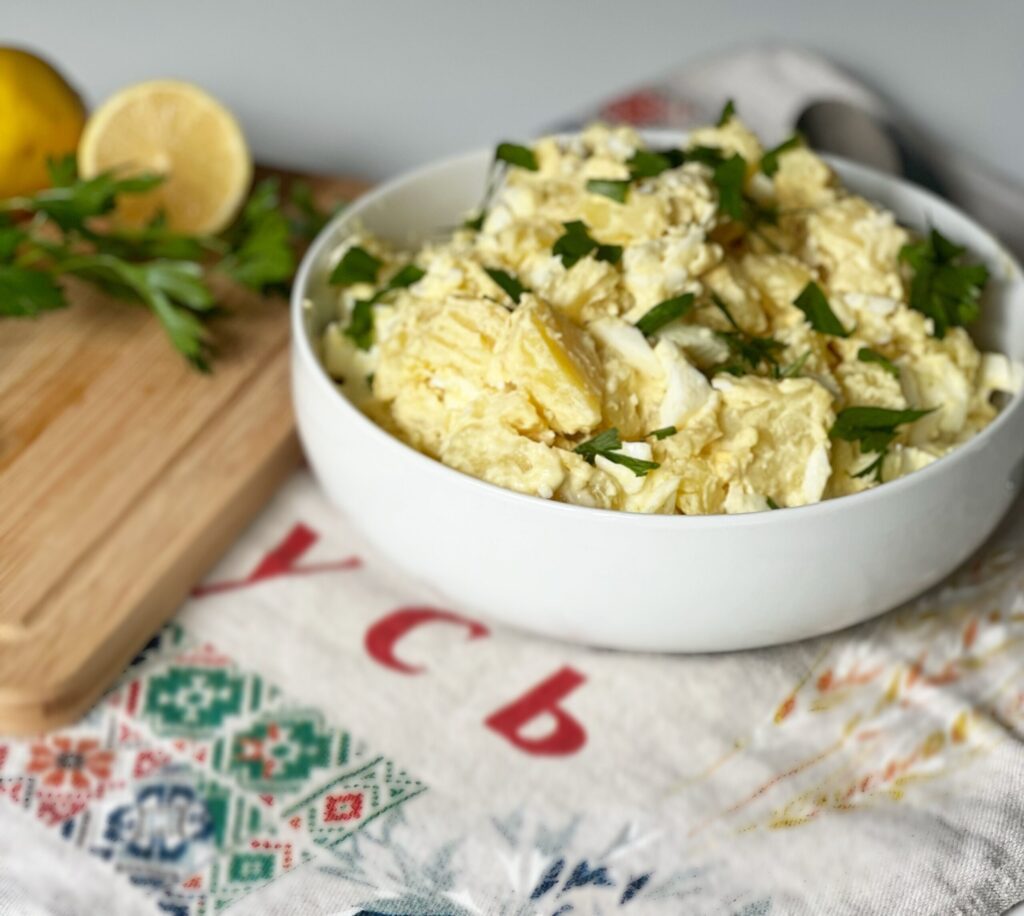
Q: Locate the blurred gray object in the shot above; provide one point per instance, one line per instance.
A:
(844, 129)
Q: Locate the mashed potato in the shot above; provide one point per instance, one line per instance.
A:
(663, 332)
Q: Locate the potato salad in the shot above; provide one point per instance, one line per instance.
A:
(715, 328)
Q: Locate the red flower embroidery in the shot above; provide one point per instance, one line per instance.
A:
(81, 762)
(644, 107)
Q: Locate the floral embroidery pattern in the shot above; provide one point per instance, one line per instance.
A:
(61, 761)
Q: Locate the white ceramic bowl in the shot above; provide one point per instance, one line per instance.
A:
(662, 583)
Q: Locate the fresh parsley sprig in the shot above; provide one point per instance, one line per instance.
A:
(607, 445)
(943, 286)
(60, 232)
(875, 429)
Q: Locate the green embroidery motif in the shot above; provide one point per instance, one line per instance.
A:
(194, 702)
(280, 752)
(247, 867)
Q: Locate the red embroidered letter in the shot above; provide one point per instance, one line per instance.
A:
(566, 737)
(282, 561)
(385, 633)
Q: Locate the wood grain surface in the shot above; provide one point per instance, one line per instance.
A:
(124, 476)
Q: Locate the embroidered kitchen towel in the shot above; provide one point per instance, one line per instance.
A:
(316, 734)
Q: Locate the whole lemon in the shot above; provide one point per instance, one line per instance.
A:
(41, 116)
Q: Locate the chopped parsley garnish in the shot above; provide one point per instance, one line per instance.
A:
(795, 367)
(647, 164)
(728, 178)
(615, 189)
(771, 503)
(706, 155)
(576, 243)
(507, 282)
(511, 154)
(357, 266)
(814, 304)
(867, 355)
(661, 314)
(770, 160)
(943, 287)
(747, 353)
(728, 111)
(663, 433)
(874, 428)
(405, 278)
(606, 444)
(360, 326)
(514, 154)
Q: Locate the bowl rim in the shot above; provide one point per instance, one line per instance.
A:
(302, 349)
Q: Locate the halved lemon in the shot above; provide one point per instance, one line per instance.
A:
(177, 130)
(41, 116)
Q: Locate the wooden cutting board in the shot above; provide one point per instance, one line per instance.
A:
(124, 475)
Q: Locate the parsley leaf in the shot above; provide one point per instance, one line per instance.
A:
(867, 355)
(309, 218)
(706, 155)
(514, 154)
(770, 160)
(403, 279)
(576, 243)
(747, 353)
(26, 293)
(507, 282)
(728, 178)
(615, 189)
(814, 304)
(361, 323)
(943, 287)
(728, 112)
(647, 164)
(874, 428)
(174, 290)
(360, 326)
(71, 204)
(663, 433)
(262, 254)
(795, 367)
(771, 503)
(606, 444)
(357, 266)
(661, 314)
(605, 441)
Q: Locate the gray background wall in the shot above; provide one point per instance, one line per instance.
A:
(374, 87)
